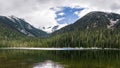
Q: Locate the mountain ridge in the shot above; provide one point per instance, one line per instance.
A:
(22, 26)
(96, 19)
(92, 20)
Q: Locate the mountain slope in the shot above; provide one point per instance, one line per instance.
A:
(22, 26)
(6, 32)
(94, 20)
(96, 29)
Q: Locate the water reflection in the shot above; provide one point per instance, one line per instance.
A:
(59, 59)
(48, 64)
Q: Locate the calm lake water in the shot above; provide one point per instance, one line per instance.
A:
(59, 58)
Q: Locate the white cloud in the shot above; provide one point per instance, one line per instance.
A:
(59, 19)
(61, 14)
(39, 14)
(85, 11)
(76, 12)
(43, 18)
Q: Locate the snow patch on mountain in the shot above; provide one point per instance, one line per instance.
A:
(13, 18)
(23, 31)
(87, 27)
(106, 15)
(22, 26)
(51, 29)
(9, 17)
(55, 28)
(31, 35)
(29, 26)
(94, 25)
(112, 23)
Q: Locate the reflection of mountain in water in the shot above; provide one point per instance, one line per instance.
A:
(48, 64)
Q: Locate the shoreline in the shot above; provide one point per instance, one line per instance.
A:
(64, 48)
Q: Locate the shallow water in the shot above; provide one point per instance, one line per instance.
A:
(59, 58)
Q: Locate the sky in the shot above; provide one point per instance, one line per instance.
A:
(49, 13)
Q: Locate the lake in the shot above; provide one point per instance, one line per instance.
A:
(88, 58)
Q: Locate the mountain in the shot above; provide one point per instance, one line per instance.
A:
(8, 32)
(94, 20)
(51, 29)
(95, 29)
(55, 28)
(21, 26)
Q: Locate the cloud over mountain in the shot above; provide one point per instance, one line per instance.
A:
(39, 12)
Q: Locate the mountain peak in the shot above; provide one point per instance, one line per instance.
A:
(93, 20)
(22, 26)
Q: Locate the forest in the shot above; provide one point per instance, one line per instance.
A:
(104, 38)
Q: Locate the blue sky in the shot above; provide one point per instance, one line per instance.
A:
(68, 15)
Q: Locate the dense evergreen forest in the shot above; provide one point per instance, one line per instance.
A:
(104, 38)
(88, 38)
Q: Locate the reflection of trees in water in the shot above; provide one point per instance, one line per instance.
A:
(73, 59)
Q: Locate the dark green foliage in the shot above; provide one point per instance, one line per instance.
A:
(88, 38)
